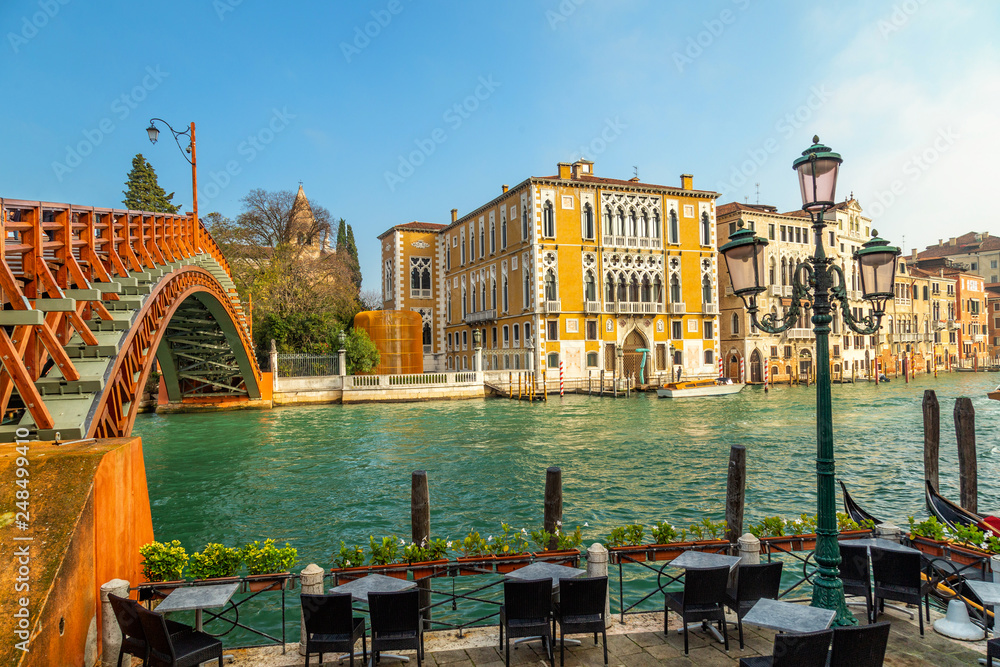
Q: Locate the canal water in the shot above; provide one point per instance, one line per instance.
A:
(313, 476)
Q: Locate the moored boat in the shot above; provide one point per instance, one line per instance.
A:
(858, 514)
(995, 394)
(696, 388)
(953, 515)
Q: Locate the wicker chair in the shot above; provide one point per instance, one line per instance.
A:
(331, 626)
(860, 645)
(753, 583)
(856, 574)
(581, 610)
(807, 649)
(703, 599)
(185, 649)
(396, 623)
(133, 638)
(526, 612)
(992, 651)
(897, 577)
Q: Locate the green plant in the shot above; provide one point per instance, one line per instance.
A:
(845, 522)
(542, 538)
(804, 525)
(213, 561)
(510, 542)
(968, 536)
(931, 528)
(163, 561)
(414, 553)
(708, 529)
(573, 540)
(771, 526)
(349, 556)
(992, 544)
(437, 549)
(626, 536)
(665, 533)
(473, 545)
(266, 558)
(384, 551)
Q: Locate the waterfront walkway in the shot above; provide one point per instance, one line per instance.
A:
(641, 642)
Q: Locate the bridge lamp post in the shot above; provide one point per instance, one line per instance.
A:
(821, 282)
(154, 134)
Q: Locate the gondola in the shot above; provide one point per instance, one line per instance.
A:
(953, 515)
(857, 514)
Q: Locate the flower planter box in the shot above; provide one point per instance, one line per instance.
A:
(928, 545)
(507, 564)
(217, 580)
(394, 570)
(475, 565)
(629, 554)
(341, 575)
(967, 555)
(428, 568)
(856, 534)
(266, 582)
(667, 551)
(151, 590)
(785, 543)
(569, 557)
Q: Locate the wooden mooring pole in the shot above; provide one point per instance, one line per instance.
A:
(932, 436)
(735, 492)
(553, 502)
(965, 432)
(420, 526)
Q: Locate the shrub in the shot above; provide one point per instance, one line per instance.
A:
(163, 561)
(215, 560)
(267, 558)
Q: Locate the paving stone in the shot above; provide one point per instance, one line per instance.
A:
(483, 654)
(449, 657)
(622, 645)
(645, 639)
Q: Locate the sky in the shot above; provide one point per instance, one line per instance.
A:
(397, 110)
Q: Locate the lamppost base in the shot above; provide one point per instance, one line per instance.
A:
(829, 594)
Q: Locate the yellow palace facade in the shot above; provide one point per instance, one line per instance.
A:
(564, 269)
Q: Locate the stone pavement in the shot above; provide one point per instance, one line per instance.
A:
(641, 642)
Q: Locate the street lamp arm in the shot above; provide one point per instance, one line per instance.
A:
(867, 325)
(176, 134)
(772, 324)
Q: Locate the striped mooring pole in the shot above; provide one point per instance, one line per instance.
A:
(720, 368)
(767, 372)
(743, 370)
(562, 388)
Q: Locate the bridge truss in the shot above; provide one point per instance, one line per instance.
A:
(93, 298)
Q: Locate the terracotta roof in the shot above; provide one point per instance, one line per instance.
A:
(965, 244)
(584, 178)
(414, 227)
(732, 207)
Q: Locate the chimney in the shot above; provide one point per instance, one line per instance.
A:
(454, 214)
(504, 188)
(913, 255)
(686, 181)
(564, 170)
(940, 242)
(583, 168)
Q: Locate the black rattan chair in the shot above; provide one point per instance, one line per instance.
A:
(703, 599)
(527, 612)
(753, 583)
(185, 649)
(856, 574)
(581, 610)
(133, 637)
(897, 577)
(396, 623)
(806, 649)
(992, 651)
(860, 645)
(331, 626)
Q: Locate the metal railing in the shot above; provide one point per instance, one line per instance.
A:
(307, 365)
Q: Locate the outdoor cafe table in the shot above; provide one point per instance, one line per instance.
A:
(881, 543)
(543, 570)
(788, 616)
(373, 583)
(699, 560)
(197, 598)
(989, 593)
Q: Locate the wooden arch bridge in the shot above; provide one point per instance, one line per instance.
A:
(92, 297)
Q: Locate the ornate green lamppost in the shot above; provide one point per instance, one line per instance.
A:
(820, 282)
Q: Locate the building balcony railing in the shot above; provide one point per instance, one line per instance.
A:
(553, 306)
(591, 307)
(481, 316)
(729, 290)
(787, 289)
(927, 337)
(775, 290)
(678, 308)
(420, 294)
(979, 338)
(710, 309)
(800, 333)
(854, 295)
(635, 308)
(906, 337)
(632, 242)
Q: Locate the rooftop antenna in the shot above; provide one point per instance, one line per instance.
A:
(758, 193)
(746, 199)
(635, 171)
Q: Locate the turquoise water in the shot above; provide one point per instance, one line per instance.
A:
(316, 475)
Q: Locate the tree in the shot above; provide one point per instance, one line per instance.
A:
(272, 218)
(143, 192)
(341, 235)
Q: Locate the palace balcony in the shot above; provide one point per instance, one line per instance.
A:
(678, 308)
(710, 309)
(552, 307)
(591, 307)
(802, 333)
(481, 316)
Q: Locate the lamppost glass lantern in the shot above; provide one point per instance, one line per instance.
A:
(877, 260)
(153, 132)
(745, 260)
(817, 169)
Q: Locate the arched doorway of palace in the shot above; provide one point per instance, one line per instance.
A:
(756, 367)
(632, 358)
(733, 367)
(805, 365)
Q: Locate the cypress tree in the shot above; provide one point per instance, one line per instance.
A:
(341, 236)
(143, 192)
(352, 252)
